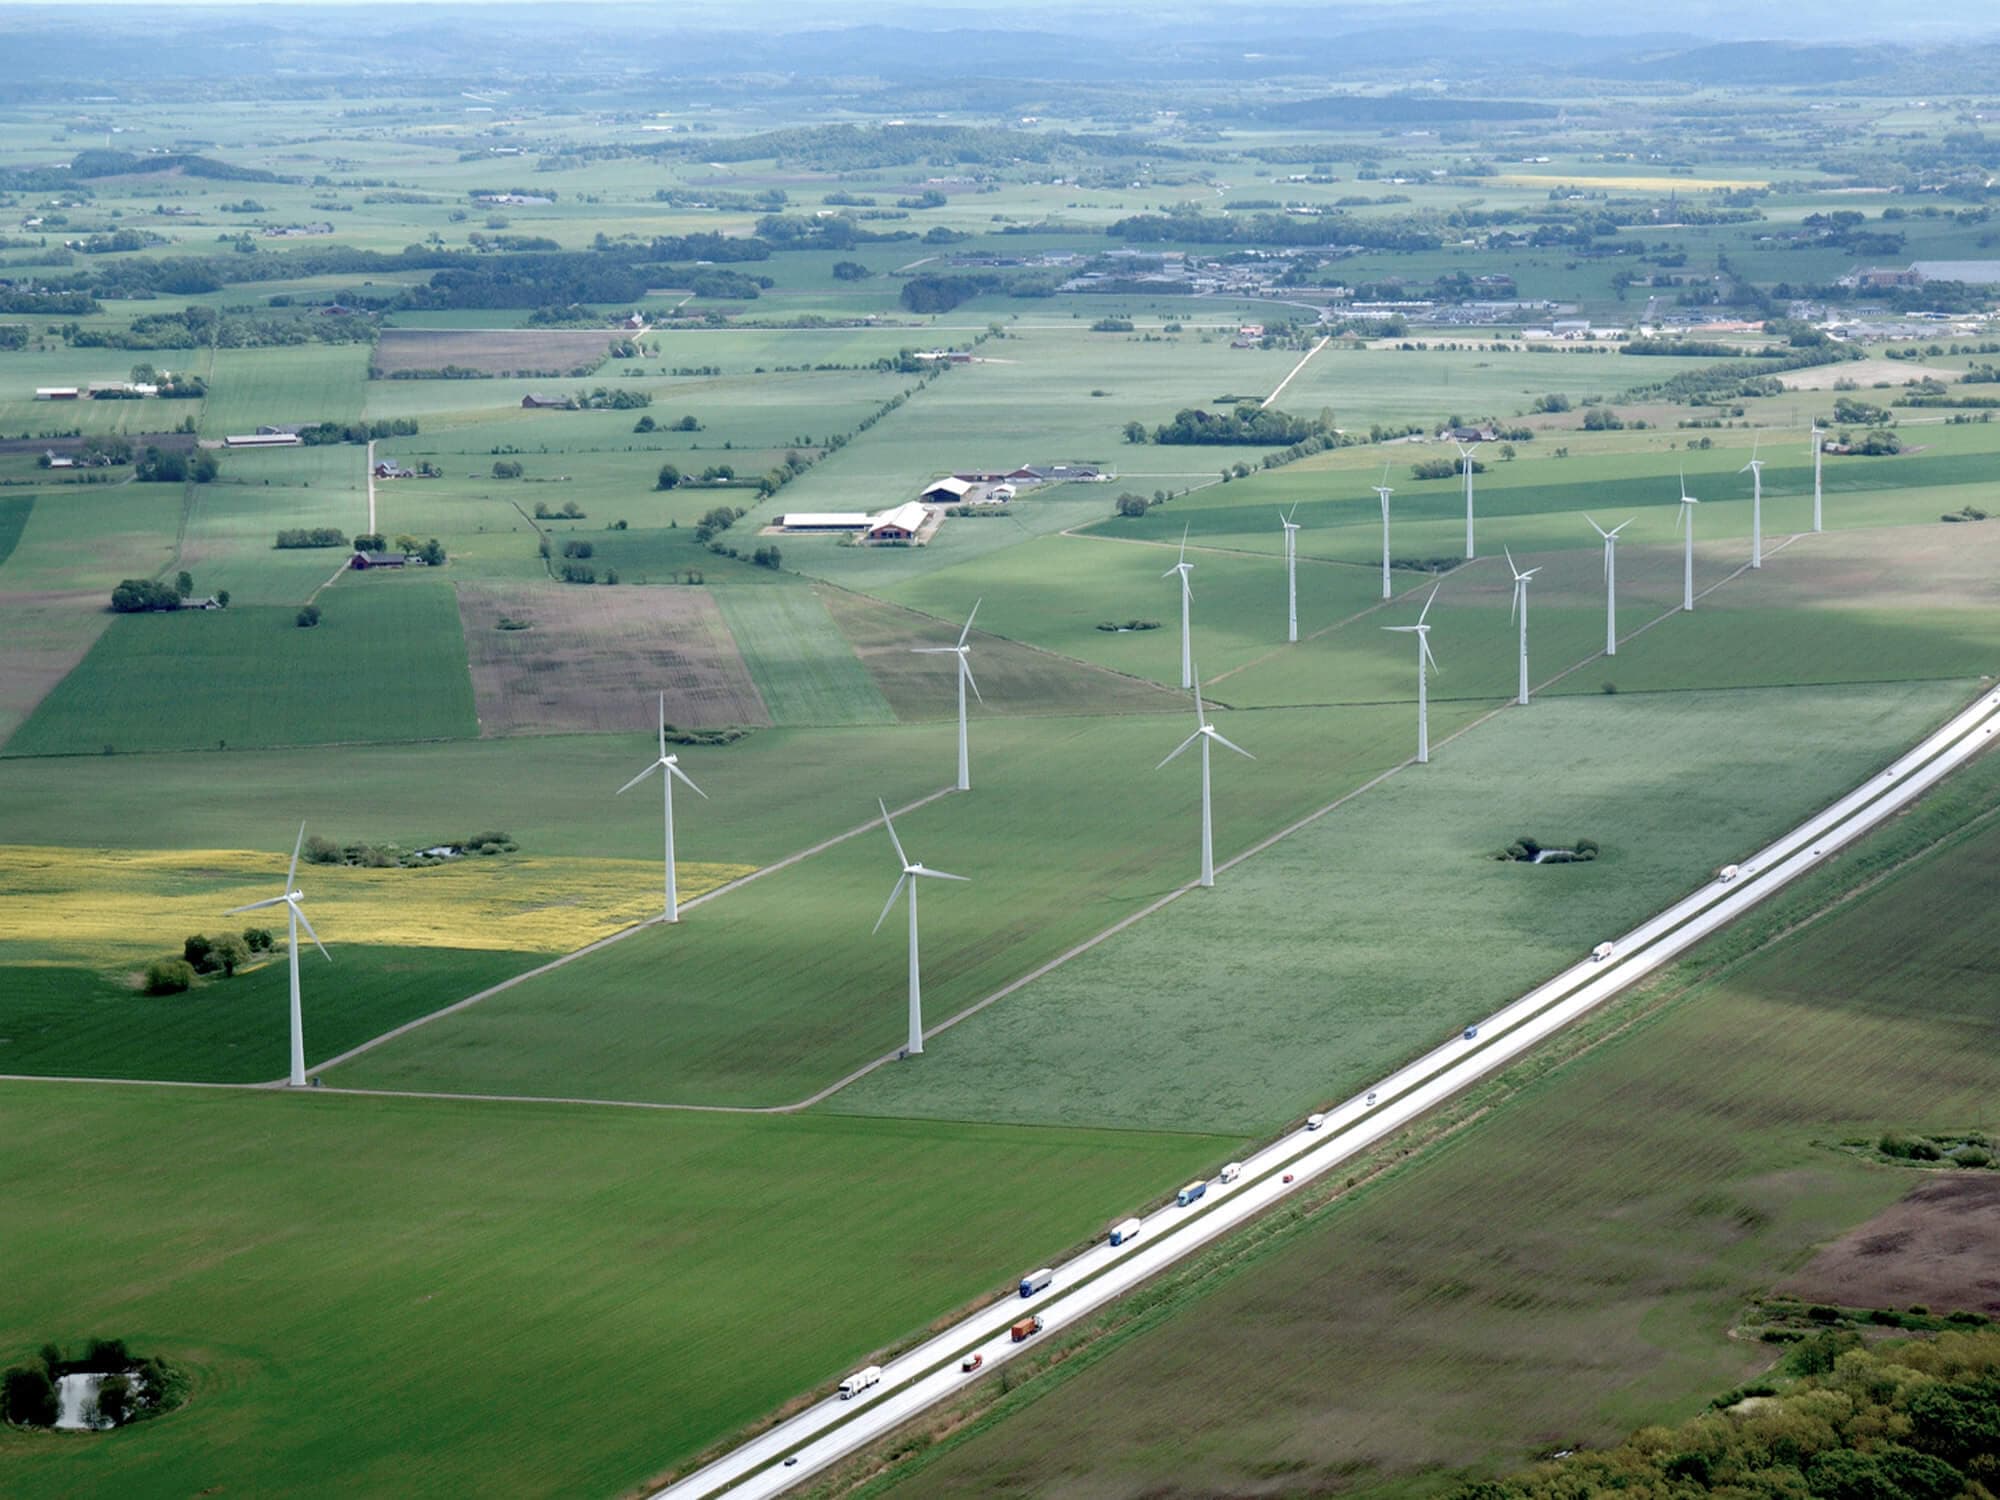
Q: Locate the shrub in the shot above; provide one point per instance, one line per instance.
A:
(169, 976)
(1130, 504)
(228, 953)
(506, 468)
(670, 476)
(104, 1356)
(577, 549)
(319, 850)
(307, 617)
(257, 939)
(195, 951)
(114, 1400)
(29, 1397)
(1972, 1156)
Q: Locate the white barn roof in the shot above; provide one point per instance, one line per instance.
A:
(826, 520)
(957, 488)
(909, 516)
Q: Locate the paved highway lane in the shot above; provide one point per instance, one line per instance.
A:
(830, 1430)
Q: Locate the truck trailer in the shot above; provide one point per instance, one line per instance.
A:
(1026, 1328)
(1034, 1281)
(1120, 1233)
(859, 1381)
(1189, 1194)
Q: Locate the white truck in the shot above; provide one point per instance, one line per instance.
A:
(1120, 1233)
(859, 1381)
(1230, 1173)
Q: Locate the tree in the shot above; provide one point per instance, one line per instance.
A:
(203, 468)
(138, 595)
(406, 544)
(229, 953)
(849, 270)
(1130, 504)
(307, 617)
(168, 976)
(114, 1399)
(222, 598)
(184, 583)
(669, 477)
(29, 1397)
(644, 424)
(506, 468)
(1135, 432)
(257, 939)
(432, 553)
(195, 950)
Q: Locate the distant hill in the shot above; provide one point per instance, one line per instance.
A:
(1758, 62)
(99, 163)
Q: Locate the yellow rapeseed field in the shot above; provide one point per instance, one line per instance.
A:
(114, 905)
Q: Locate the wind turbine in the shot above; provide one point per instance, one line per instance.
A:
(1755, 469)
(1184, 568)
(1291, 574)
(671, 766)
(1520, 606)
(1383, 491)
(1205, 732)
(1819, 456)
(1610, 582)
(1684, 522)
(290, 901)
(964, 654)
(1465, 457)
(912, 873)
(1424, 660)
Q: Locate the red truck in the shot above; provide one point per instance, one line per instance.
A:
(1027, 1328)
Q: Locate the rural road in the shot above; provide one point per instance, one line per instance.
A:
(831, 1429)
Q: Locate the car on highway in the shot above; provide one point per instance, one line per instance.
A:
(1602, 951)
(1288, 1177)
(1313, 1122)
(971, 1362)
(1371, 1096)
(1472, 1033)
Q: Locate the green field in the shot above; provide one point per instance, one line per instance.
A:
(804, 669)
(1569, 1267)
(1369, 936)
(14, 512)
(385, 663)
(534, 1301)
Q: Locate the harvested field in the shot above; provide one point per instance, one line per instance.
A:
(497, 351)
(1935, 1249)
(1864, 372)
(593, 660)
(47, 634)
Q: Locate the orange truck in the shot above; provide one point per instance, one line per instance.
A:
(1027, 1328)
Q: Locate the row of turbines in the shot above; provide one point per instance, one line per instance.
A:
(1205, 734)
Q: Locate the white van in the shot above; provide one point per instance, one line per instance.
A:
(1602, 951)
(859, 1381)
(1728, 873)
(1230, 1173)
(1313, 1122)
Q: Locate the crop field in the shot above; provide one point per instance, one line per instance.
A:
(249, 388)
(1299, 978)
(805, 671)
(1569, 1267)
(386, 662)
(524, 351)
(557, 658)
(114, 907)
(232, 525)
(603, 1240)
(93, 537)
(14, 512)
(780, 987)
(47, 634)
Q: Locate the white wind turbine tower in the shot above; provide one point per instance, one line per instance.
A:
(1425, 661)
(1610, 582)
(1520, 607)
(1184, 568)
(1819, 457)
(1755, 469)
(912, 873)
(1205, 732)
(1465, 458)
(670, 767)
(1684, 522)
(1383, 492)
(964, 654)
(290, 901)
(1291, 574)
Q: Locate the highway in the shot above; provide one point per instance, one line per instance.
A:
(831, 1429)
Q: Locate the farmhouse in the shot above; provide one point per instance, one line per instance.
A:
(261, 440)
(544, 403)
(388, 468)
(362, 561)
(948, 491)
(899, 525)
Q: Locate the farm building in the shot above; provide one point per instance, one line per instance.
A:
(261, 440)
(825, 520)
(544, 403)
(114, 389)
(388, 468)
(1056, 474)
(948, 491)
(57, 393)
(54, 460)
(899, 525)
(362, 561)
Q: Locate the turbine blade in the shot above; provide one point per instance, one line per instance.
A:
(1515, 608)
(1179, 748)
(1622, 525)
(641, 776)
(903, 858)
(292, 875)
(257, 905)
(932, 650)
(1428, 603)
(889, 905)
(1217, 735)
(941, 875)
(689, 781)
(969, 619)
(972, 682)
(1595, 527)
(663, 726)
(1184, 536)
(1425, 642)
(309, 932)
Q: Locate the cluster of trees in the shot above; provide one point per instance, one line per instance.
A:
(311, 536)
(571, 572)
(1442, 468)
(768, 557)
(604, 398)
(357, 432)
(507, 468)
(132, 1389)
(170, 466)
(137, 596)
(570, 510)
(1528, 849)
(1911, 1421)
(1412, 231)
(201, 954)
(936, 292)
(320, 850)
(1244, 423)
(715, 521)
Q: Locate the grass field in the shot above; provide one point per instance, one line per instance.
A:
(1379, 930)
(804, 670)
(358, 1330)
(14, 512)
(386, 662)
(1569, 1267)
(301, 384)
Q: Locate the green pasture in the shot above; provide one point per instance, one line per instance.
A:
(77, 1021)
(93, 536)
(386, 662)
(1379, 930)
(296, 385)
(325, 1305)
(957, 540)
(14, 513)
(804, 669)
(230, 540)
(779, 987)
(1569, 1267)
